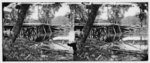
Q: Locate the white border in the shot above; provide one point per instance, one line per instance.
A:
(70, 1)
(74, 0)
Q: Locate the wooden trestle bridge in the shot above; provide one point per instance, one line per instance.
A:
(41, 31)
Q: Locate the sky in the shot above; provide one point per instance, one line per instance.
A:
(63, 10)
(8, 8)
(104, 15)
(132, 11)
(34, 15)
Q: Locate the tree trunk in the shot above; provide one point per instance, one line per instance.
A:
(86, 30)
(21, 16)
(91, 17)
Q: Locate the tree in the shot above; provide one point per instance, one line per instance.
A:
(116, 14)
(86, 30)
(143, 7)
(79, 10)
(49, 11)
(88, 17)
(23, 8)
(93, 8)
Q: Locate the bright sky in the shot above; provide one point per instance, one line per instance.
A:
(8, 8)
(34, 15)
(132, 11)
(63, 10)
(104, 15)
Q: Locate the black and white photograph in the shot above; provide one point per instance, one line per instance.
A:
(74, 31)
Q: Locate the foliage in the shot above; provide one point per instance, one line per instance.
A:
(95, 50)
(25, 50)
(49, 11)
(142, 15)
(80, 12)
(116, 13)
